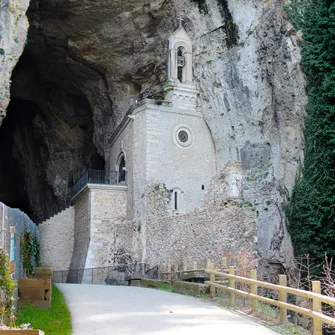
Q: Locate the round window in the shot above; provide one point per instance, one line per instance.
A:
(183, 136)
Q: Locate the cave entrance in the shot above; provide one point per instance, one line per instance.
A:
(17, 123)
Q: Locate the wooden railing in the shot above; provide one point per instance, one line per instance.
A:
(315, 312)
(228, 273)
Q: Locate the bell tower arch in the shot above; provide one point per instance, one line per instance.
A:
(180, 56)
(182, 93)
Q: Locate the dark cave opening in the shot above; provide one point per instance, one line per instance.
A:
(46, 139)
(20, 114)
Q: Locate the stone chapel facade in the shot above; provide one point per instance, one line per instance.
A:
(170, 204)
(167, 141)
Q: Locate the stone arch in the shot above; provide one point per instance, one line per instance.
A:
(181, 64)
(121, 168)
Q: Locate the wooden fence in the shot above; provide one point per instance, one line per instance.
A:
(315, 296)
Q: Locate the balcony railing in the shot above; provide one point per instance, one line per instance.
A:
(94, 177)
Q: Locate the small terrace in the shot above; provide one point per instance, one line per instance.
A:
(98, 177)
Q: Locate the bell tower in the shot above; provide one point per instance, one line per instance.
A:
(182, 91)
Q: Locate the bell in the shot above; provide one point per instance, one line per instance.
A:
(181, 61)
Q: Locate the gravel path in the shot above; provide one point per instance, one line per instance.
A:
(119, 310)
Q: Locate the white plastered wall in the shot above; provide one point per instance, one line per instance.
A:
(188, 169)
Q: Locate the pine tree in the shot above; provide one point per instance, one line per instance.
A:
(311, 210)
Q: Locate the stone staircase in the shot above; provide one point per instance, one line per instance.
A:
(57, 239)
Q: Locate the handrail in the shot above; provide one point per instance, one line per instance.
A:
(302, 293)
(94, 177)
(316, 299)
(298, 309)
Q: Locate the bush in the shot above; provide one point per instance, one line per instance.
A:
(30, 251)
(7, 291)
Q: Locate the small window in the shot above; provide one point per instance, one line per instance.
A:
(176, 199)
(122, 170)
(183, 136)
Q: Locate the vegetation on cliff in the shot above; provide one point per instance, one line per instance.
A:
(311, 211)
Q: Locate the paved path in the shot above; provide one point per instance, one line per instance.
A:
(119, 310)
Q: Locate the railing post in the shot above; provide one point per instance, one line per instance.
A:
(283, 298)
(169, 272)
(316, 287)
(185, 267)
(253, 290)
(232, 285)
(208, 264)
(212, 279)
(176, 269)
(195, 265)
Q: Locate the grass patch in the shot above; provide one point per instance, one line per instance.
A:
(53, 321)
(165, 287)
(204, 297)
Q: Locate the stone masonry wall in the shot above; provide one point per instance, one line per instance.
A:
(108, 208)
(123, 143)
(82, 222)
(223, 222)
(188, 169)
(57, 240)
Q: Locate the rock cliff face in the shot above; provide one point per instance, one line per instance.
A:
(13, 34)
(87, 62)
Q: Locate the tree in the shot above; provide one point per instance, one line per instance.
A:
(311, 209)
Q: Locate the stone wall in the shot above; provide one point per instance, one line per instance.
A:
(82, 229)
(153, 154)
(222, 223)
(186, 169)
(123, 142)
(57, 240)
(108, 207)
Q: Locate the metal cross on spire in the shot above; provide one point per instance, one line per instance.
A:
(180, 21)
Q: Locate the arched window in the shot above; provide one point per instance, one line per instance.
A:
(122, 169)
(181, 64)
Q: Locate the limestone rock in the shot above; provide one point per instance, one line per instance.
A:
(13, 35)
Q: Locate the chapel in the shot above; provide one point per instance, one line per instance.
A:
(166, 141)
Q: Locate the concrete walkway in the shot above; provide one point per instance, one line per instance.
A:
(119, 310)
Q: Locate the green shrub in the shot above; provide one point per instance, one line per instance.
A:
(7, 291)
(30, 252)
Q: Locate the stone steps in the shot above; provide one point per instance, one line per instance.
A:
(56, 247)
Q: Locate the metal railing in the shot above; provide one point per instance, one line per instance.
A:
(111, 275)
(94, 177)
